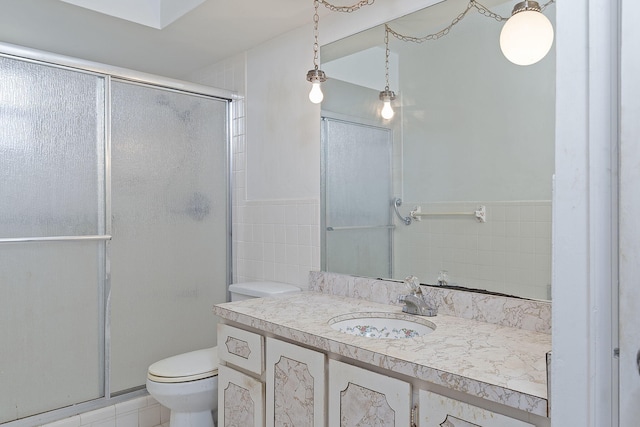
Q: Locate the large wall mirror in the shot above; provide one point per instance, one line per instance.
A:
(471, 131)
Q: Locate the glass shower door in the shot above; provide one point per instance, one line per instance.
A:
(169, 224)
(357, 228)
(52, 243)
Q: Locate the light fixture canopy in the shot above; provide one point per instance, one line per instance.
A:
(527, 36)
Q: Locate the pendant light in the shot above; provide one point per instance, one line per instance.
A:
(527, 36)
(386, 96)
(316, 76)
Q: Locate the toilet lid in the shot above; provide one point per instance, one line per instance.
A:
(191, 366)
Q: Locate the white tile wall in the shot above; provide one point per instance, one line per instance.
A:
(277, 240)
(142, 411)
(510, 253)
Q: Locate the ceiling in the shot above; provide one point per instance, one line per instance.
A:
(214, 30)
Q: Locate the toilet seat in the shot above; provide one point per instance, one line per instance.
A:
(192, 366)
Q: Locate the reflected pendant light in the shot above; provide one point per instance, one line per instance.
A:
(316, 76)
(386, 96)
(527, 36)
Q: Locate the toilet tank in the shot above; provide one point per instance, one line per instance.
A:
(242, 291)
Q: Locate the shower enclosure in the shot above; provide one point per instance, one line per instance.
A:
(114, 229)
(357, 189)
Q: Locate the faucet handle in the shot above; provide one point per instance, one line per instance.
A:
(443, 278)
(413, 284)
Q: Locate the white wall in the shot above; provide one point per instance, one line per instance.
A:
(283, 158)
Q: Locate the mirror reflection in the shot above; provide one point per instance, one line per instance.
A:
(471, 131)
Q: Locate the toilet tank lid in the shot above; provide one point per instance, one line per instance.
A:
(187, 364)
(262, 289)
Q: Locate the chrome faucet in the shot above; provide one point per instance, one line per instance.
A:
(414, 302)
(443, 278)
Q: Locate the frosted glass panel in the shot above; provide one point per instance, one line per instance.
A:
(169, 211)
(50, 335)
(357, 172)
(51, 150)
(352, 252)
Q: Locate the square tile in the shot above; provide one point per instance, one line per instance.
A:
(129, 419)
(67, 422)
(131, 405)
(149, 416)
(98, 415)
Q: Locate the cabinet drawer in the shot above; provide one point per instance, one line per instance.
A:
(436, 410)
(241, 348)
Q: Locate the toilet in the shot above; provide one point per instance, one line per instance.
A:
(187, 384)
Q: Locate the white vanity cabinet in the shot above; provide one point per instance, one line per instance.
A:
(435, 410)
(295, 385)
(264, 381)
(358, 397)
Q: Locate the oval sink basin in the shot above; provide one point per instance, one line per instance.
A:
(382, 325)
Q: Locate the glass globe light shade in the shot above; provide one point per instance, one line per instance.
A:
(526, 37)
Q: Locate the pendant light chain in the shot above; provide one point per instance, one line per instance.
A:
(544, 6)
(316, 46)
(386, 55)
(347, 9)
(483, 10)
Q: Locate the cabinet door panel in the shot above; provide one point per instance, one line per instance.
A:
(241, 348)
(295, 385)
(440, 411)
(240, 399)
(358, 397)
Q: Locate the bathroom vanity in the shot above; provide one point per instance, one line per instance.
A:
(284, 363)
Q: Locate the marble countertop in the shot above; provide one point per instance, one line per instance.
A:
(497, 363)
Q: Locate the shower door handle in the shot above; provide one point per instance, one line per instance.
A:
(54, 238)
(359, 227)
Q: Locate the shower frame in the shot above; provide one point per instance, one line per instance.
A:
(109, 72)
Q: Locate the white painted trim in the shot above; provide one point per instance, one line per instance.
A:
(629, 212)
(584, 214)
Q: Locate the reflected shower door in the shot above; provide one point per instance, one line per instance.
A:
(357, 227)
